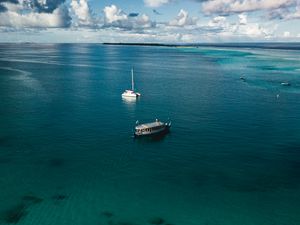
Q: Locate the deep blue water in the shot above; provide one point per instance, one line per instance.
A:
(67, 156)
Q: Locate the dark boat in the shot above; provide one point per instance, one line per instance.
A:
(285, 84)
(151, 129)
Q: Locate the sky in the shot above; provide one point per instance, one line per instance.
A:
(153, 21)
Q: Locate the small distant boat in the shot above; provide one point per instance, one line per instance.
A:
(131, 93)
(149, 129)
(243, 78)
(285, 84)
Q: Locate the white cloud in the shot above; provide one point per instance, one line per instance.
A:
(239, 6)
(295, 14)
(254, 30)
(242, 29)
(115, 24)
(143, 21)
(217, 21)
(243, 19)
(115, 17)
(182, 19)
(82, 12)
(41, 6)
(113, 14)
(17, 19)
(156, 3)
(286, 34)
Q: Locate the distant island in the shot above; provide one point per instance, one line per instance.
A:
(144, 44)
(263, 45)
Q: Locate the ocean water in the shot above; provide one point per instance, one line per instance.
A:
(67, 156)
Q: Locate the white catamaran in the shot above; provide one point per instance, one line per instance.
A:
(131, 93)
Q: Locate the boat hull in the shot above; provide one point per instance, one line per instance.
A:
(162, 131)
(129, 95)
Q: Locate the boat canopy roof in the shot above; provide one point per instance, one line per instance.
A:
(149, 125)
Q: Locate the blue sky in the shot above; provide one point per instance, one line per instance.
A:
(165, 21)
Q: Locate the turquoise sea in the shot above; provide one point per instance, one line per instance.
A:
(67, 156)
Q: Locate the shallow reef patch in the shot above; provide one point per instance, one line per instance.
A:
(112, 222)
(5, 141)
(17, 212)
(5, 160)
(125, 223)
(59, 197)
(14, 214)
(107, 214)
(156, 221)
(56, 162)
(31, 199)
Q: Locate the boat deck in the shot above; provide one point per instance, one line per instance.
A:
(149, 125)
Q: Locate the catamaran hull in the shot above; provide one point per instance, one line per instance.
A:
(131, 95)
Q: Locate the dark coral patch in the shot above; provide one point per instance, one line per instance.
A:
(14, 214)
(59, 197)
(107, 214)
(31, 199)
(56, 162)
(125, 223)
(5, 141)
(110, 222)
(5, 160)
(157, 221)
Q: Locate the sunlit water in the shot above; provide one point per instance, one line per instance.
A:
(67, 156)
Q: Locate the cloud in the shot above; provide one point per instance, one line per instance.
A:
(218, 21)
(3, 2)
(2, 8)
(16, 19)
(116, 24)
(286, 34)
(115, 17)
(254, 30)
(34, 14)
(43, 6)
(11, 1)
(155, 3)
(143, 22)
(82, 13)
(112, 14)
(293, 15)
(225, 7)
(243, 19)
(242, 29)
(182, 19)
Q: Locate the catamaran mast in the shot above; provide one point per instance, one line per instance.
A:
(132, 82)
